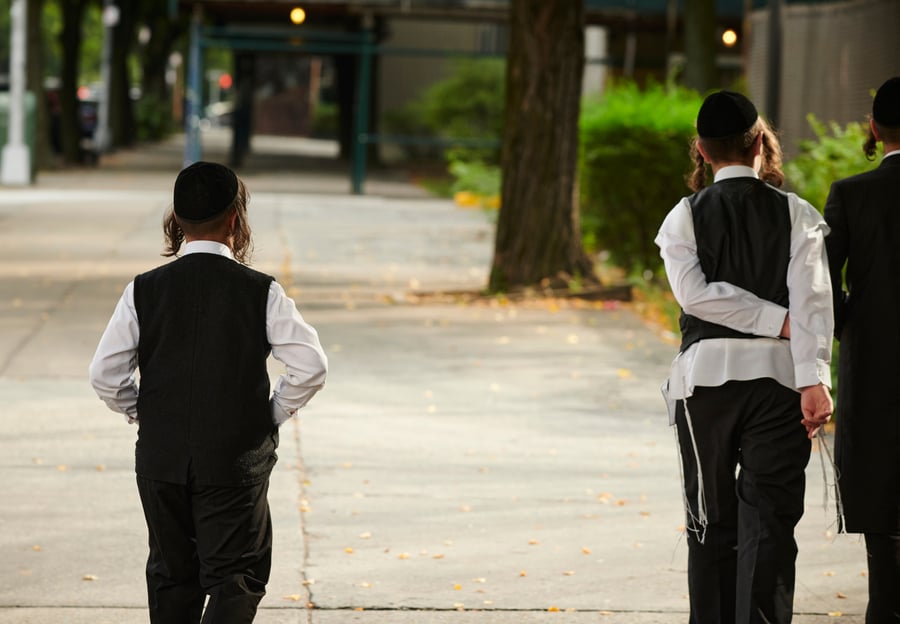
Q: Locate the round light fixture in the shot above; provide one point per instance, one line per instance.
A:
(729, 38)
(298, 15)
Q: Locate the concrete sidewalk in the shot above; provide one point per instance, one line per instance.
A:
(465, 463)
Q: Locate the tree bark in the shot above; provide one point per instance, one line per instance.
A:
(121, 111)
(70, 43)
(700, 45)
(538, 236)
(43, 155)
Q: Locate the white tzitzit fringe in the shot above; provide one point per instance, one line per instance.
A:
(838, 502)
(696, 523)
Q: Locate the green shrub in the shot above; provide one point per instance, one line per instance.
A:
(325, 120)
(153, 118)
(633, 162)
(468, 104)
(834, 154)
(475, 177)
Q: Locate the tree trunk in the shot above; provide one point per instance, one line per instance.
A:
(121, 111)
(700, 45)
(155, 92)
(538, 236)
(70, 44)
(43, 156)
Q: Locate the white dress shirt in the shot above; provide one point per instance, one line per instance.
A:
(802, 361)
(294, 343)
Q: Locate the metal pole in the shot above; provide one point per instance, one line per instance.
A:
(16, 157)
(194, 95)
(361, 120)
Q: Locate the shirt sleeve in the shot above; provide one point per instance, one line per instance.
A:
(115, 361)
(809, 287)
(716, 302)
(295, 344)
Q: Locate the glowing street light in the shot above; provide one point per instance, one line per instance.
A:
(729, 38)
(298, 15)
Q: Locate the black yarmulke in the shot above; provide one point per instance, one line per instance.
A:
(725, 113)
(203, 191)
(886, 105)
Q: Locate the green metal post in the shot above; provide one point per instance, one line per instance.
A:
(361, 120)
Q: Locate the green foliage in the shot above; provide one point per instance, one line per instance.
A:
(468, 104)
(834, 154)
(633, 162)
(325, 120)
(153, 117)
(475, 177)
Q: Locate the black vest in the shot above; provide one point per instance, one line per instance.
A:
(743, 231)
(203, 405)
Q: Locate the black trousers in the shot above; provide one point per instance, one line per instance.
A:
(206, 541)
(752, 452)
(883, 552)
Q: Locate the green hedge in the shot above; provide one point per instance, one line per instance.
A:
(634, 158)
(467, 104)
(834, 154)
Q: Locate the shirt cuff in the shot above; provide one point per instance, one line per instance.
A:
(771, 320)
(279, 414)
(812, 374)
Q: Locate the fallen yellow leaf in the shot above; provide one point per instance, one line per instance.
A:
(293, 597)
(89, 577)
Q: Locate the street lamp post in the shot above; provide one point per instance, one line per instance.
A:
(16, 166)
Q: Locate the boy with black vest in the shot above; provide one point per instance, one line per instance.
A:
(199, 330)
(749, 386)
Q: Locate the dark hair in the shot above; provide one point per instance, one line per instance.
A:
(870, 147)
(738, 148)
(239, 239)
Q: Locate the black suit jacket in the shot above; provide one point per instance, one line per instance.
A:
(863, 212)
